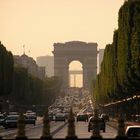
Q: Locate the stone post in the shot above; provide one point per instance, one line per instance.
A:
(21, 127)
(71, 127)
(46, 127)
(121, 128)
(96, 129)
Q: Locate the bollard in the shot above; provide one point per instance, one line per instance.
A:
(96, 129)
(21, 127)
(46, 127)
(71, 126)
(121, 128)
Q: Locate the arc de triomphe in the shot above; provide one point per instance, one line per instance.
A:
(65, 53)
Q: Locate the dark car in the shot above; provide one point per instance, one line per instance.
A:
(2, 120)
(11, 121)
(30, 119)
(101, 124)
(82, 117)
(105, 117)
(51, 117)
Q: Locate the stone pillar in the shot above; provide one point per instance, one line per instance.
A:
(121, 128)
(65, 77)
(21, 127)
(71, 127)
(89, 74)
(96, 127)
(85, 79)
(46, 127)
(89, 70)
(61, 70)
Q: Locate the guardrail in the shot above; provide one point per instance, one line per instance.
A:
(71, 135)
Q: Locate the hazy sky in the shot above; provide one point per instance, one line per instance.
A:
(40, 23)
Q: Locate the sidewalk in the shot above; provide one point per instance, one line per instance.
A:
(114, 123)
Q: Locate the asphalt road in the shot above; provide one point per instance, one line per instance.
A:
(58, 130)
(81, 129)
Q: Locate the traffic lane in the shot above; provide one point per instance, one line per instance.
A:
(13, 131)
(37, 132)
(38, 121)
(61, 133)
(33, 131)
(81, 129)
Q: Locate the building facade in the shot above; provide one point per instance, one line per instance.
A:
(65, 53)
(48, 63)
(29, 63)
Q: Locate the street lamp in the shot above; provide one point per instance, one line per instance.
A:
(7, 106)
(34, 108)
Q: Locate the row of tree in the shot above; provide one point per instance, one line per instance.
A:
(20, 87)
(6, 71)
(26, 88)
(120, 69)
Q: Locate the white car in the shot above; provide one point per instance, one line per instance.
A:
(60, 117)
(133, 131)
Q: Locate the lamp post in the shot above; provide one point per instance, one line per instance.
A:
(34, 108)
(7, 106)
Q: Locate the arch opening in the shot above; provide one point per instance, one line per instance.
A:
(75, 74)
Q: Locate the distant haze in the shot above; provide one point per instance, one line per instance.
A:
(40, 23)
(48, 62)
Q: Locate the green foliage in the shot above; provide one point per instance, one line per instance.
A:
(26, 88)
(52, 88)
(120, 69)
(20, 83)
(6, 71)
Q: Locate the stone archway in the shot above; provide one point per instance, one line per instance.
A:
(86, 53)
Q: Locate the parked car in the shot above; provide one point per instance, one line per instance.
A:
(101, 124)
(13, 113)
(30, 112)
(60, 117)
(51, 117)
(11, 121)
(2, 119)
(133, 131)
(30, 119)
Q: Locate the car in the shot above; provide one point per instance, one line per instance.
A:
(82, 117)
(101, 124)
(11, 121)
(30, 112)
(13, 113)
(133, 131)
(2, 120)
(51, 117)
(60, 117)
(105, 117)
(30, 119)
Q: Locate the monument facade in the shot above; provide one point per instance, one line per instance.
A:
(65, 53)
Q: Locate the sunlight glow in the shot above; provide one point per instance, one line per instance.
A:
(76, 80)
